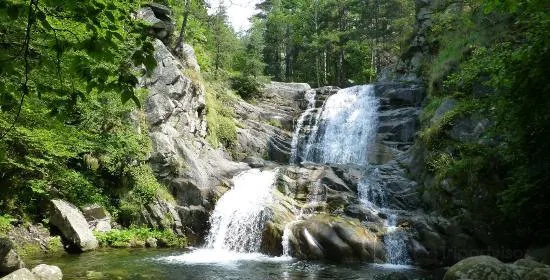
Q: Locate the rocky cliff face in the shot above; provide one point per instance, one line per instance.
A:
(267, 125)
(181, 157)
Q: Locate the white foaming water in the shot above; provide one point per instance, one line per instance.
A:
(221, 257)
(239, 215)
(345, 128)
(395, 242)
(296, 134)
(310, 97)
(371, 192)
(237, 223)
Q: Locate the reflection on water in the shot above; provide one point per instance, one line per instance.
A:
(211, 264)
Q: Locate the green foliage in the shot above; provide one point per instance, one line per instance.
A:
(275, 123)
(5, 224)
(335, 42)
(493, 55)
(247, 87)
(136, 237)
(222, 129)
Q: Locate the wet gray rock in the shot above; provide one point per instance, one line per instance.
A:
(9, 259)
(72, 224)
(47, 272)
(334, 238)
(397, 95)
(20, 274)
(98, 217)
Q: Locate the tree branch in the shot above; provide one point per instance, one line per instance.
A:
(24, 87)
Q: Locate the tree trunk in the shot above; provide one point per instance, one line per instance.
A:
(181, 37)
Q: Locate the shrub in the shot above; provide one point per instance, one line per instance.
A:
(246, 87)
(136, 237)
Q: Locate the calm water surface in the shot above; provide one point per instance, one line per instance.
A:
(210, 264)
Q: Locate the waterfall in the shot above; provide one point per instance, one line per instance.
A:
(310, 98)
(345, 128)
(395, 242)
(342, 132)
(373, 195)
(370, 191)
(238, 218)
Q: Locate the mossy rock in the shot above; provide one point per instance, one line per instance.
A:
(481, 268)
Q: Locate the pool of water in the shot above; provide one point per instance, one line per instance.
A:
(210, 264)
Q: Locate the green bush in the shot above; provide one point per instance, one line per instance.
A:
(5, 224)
(222, 128)
(136, 237)
(247, 87)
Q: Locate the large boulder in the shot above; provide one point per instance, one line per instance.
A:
(20, 274)
(334, 238)
(9, 260)
(98, 217)
(47, 272)
(481, 268)
(486, 267)
(72, 224)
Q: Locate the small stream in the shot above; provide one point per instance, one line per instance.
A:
(167, 264)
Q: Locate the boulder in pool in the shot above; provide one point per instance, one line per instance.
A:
(47, 272)
(73, 226)
(20, 274)
(9, 260)
(481, 268)
(326, 237)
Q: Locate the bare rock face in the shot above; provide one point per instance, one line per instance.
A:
(98, 218)
(9, 260)
(72, 224)
(181, 157)
(268, 124)
(159, 17)
(47, 272)
(20, 274)
(186, 53)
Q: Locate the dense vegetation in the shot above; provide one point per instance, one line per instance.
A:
(67, 71)
(492, 57)
(333, 42)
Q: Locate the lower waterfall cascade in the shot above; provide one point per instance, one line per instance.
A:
(237, 222)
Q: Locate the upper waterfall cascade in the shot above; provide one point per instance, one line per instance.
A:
(342, 132)
(343, 129)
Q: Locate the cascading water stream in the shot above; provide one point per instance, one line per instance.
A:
(239, 215)
(237, 222)
(345, 128)
(310, 97)
(342, 133)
